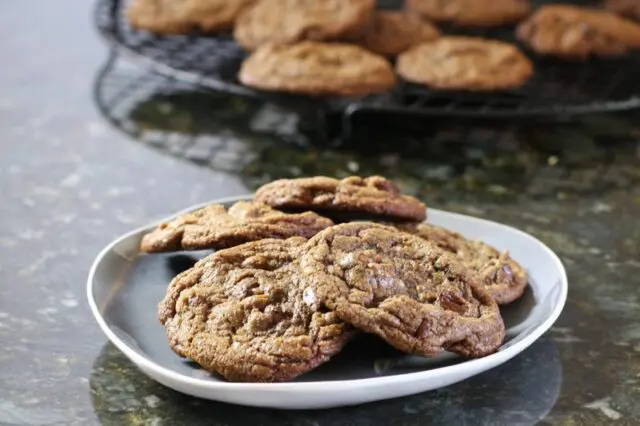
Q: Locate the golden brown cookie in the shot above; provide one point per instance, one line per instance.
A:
(577, 33)
(628, 8)
(417, 297)
(319, 69)
(465, 63)
(289, 21)
(370, 196)
(185, 16)
(243, 313)
(472, 13)
(212, 227)
(504, 278)
(393, 32)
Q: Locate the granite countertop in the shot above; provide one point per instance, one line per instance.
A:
(70, 183)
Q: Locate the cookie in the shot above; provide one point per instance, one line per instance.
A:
(290, 21)
(417, 297)
(465, 63)
(472, 13)
(628, 8)
(393, 32)
(317, 69)
(242, 313)
(183, 17)
(370, 196)
(577, 33)
(212, 227)
(504, 278)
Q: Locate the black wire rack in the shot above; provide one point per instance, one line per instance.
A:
(559, 89)
(260, 142)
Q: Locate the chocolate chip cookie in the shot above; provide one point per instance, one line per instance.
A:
(577, 33)
(393, 32)
(374, 195)
(628, 8)
(465, 63)
(212, 227)
(290, 21)
(408, 291)
(504, 278)
(185, 16)
(317, 69)
(472, 13)
(243, 313)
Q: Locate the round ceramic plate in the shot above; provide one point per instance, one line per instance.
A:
(124, 288)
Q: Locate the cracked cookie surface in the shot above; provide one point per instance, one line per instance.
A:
(472, 13)
(213, 227)
(408, 291)
(243, 313)
(504, 278)
(373, 195)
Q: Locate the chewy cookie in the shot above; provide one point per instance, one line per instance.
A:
(185, 16)
(576, 33)
(374, 195)
(628, 8)
(472, 13)
(504, 278)
(465, 63)
(289, 21)
(242, 313)
(393, 32)
(212, 227)
(319, 69)
(406, 290)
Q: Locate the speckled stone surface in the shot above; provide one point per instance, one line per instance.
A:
(70, 183)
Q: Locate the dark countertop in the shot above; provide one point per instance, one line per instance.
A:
(70, 183)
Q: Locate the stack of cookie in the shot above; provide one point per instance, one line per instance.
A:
(343, 47)
(310, 263)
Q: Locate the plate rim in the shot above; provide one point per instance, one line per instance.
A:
(462, 369)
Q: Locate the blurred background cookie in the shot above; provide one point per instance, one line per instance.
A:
(628, 8)
(393, 32)
(289, 21)
(316, 68)
(577, 33)
(465, 63)
(472, 13)
(182, 17)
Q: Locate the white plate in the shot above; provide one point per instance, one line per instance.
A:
(124, 288)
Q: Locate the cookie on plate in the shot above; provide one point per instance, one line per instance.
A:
(417, 297)
(243, 313)
(393, 32)
(577, 33)
(465, 63)
(504, 278)
(628, 8)
(317, 69)
(183, 17)
(212, 227)
(290, 21)
(370, 196)
(472, 13)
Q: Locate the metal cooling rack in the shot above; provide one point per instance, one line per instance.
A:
(261, 142)
(559, 89)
